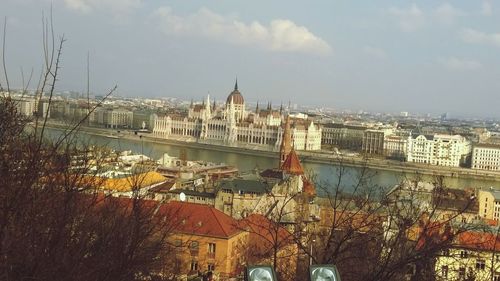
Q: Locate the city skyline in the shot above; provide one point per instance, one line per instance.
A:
(390, 56)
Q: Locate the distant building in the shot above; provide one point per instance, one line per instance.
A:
(489, 204)
(440, 150)
(396, 146)
(26, 106)
(115, 118)
(373, 142)
(486, 157)
(233, 125)
(343, 136)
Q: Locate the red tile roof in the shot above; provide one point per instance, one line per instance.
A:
(264, 229)
(479, 241)
(292, 164)
(198, 219)
(309, 187)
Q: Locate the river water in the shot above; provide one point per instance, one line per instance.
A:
(325, 174)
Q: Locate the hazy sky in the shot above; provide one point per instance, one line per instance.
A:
(425, 56)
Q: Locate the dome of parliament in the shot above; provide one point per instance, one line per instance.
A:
(235, 96)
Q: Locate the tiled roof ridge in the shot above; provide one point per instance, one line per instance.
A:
(218, 222)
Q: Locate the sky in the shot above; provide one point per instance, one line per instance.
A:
(377, 56)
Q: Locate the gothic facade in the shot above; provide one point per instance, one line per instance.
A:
(232, 124)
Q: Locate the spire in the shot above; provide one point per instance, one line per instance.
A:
(213, 106)
(236, 84)
(286, 142)
(257, 107)
(281, 108)
(207, 105)
(191, 105)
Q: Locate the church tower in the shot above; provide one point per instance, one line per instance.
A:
(286, 142)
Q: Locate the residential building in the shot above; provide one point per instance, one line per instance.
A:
(486, 157)
(373, 142)
(343, 136)
(489, 204)
(115, 118)
(441, 150)
(26, 106)
(124, 184)
(206, 240)
(239, 197)
(396, 146)
(472, 255)
(267, 238)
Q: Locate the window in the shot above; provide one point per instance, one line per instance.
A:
(177, 242)
(480, 264)
(195, 245)
(463, 254)
(211, 248)
(211, 267)
(444, 271)
(496, 277)
(194, 265)
(461, 272)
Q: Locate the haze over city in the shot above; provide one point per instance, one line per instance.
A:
(425, 56)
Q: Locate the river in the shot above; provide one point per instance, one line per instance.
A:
(324, 174)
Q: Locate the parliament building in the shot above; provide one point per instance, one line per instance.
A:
(233, 125)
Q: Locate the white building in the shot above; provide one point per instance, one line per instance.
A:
(26, 106)
(486, 157)
(396, 146)
(115, 117)
(232, 124)
(441, 150)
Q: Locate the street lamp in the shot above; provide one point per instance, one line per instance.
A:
(260, 273)
(323, 272)
(311, 252)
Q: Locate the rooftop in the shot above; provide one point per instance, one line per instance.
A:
(203, 220)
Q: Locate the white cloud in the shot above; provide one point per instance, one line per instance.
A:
(473, 36)
(279, 35)
(487, 8)
(409, 19)
(447, 14)
(459, 64)
(374, 52)
(115, 7)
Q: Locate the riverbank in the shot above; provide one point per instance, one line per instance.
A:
(306, 156)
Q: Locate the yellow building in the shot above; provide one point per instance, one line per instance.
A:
(124, 184)
(206, 240)
(473, 256)
(489, 204)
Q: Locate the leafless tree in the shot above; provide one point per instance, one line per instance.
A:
(54, 224)
(370, 234)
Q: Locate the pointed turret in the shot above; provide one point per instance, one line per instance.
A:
(207, 107)
(213, 106)
(281, 108)
(236, 84)
(292, 165)
(257, 108)
(286, 142)
(191, 105)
